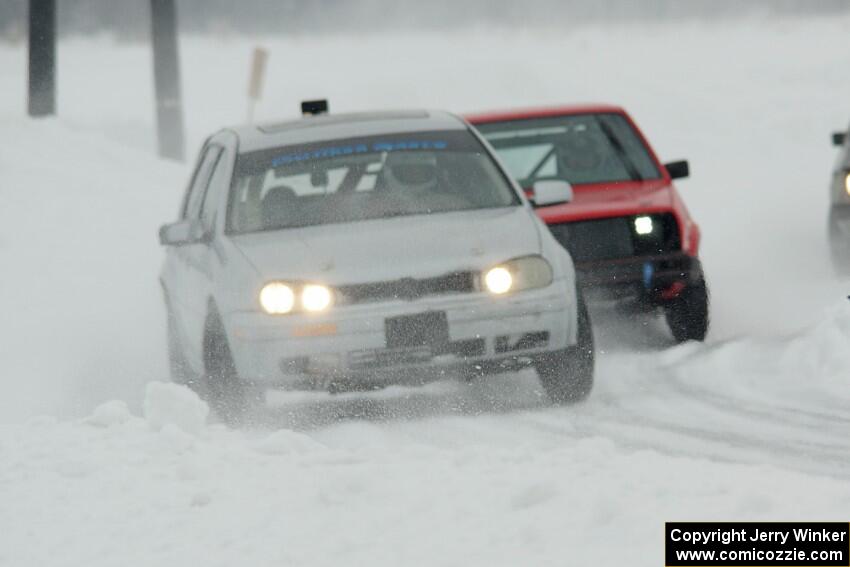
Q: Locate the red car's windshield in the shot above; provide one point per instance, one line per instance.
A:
(584, 148)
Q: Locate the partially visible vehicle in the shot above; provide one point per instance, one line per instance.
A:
(627, 229)
(352, 251)
(839, 210)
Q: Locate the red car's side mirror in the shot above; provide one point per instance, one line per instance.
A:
(678, 169)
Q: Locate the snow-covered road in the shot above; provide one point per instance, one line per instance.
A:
(779, 401)
(755, 424)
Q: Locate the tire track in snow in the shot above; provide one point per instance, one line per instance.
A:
(662, 410)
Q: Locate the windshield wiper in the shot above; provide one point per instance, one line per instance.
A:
(633, 172)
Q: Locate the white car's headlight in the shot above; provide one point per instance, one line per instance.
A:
(529, 272)
(847, 184)
(277, 298)
(280, 298)
(316, 297)
(498, 280)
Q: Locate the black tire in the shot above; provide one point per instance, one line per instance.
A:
(687, 315)
(227, 395)
(567, 375)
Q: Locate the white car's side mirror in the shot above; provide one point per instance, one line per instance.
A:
(181, 233)
(551, 192)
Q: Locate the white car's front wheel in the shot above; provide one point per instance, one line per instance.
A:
(227, 395)
(567, 375)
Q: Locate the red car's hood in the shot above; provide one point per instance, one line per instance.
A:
(611, 200)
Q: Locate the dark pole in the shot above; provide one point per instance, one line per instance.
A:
(166, 73)
(42, 58)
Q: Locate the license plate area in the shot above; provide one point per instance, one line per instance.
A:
(429, 329)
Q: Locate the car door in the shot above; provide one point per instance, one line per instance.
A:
(182, 263)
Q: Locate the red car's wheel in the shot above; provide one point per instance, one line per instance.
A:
(687, 314)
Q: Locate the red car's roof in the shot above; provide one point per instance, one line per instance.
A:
(540, 112)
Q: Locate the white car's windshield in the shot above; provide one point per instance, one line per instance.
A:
(365, 178)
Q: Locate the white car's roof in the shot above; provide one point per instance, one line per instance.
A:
(337, 126)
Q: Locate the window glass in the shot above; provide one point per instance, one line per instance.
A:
(219, 182)
(583, 148)
(200, 180)
(366, 178)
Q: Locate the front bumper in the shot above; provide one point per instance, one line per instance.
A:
(655, 278)
(349, 343)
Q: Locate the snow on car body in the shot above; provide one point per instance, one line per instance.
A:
(627, 229)
(346, 250)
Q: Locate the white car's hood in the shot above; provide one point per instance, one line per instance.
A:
(388, 249)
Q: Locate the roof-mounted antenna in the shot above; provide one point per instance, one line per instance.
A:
(314, 107)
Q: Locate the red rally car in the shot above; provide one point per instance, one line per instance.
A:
(626, 226)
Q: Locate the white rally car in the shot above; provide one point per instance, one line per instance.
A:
(352, 251)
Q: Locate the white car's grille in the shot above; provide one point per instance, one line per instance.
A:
(409, 289)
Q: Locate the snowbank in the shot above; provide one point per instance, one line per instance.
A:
(107, 414)
(173, 404)
(778, 400)
(813, 365)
